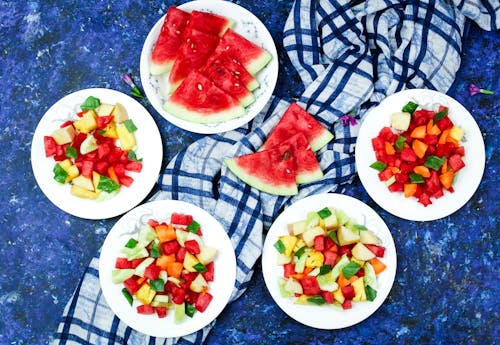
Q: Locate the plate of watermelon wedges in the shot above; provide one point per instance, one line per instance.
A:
(167, 268)
(96, 153)
(329, 261)
(209, 66)
(420, 155)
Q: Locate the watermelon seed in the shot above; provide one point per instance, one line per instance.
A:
(236, 84)
(286, 155)
(200, 87)
(236, 72)
(227, 47)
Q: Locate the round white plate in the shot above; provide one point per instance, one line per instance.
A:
(326, 316)
(246, 24)
(213, 236)
(149, 148)
(467, 180)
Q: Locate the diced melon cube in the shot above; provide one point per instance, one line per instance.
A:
(190, 261)
(360, 252)
(198, 284)
(127, 139)
(105, 109)
(300, 243)
(400, 121)
(65, 164)
(330, 222)
(456, 133)
(82, 192)
(87, 123)
(119, 113)
(95, 179)
(309, 235)
(64, 135)
(88, 145)
(347, 236)
(312, 219)
(302, 299)
(72, 172)
(83, 182)
(368, 237)
(206, 254)
(359, 290)
(297, 228)
(293, 286)
(283, 259)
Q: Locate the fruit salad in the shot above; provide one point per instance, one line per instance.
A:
(94, 151)
(167, 267)
(420, 154)
(328, 258)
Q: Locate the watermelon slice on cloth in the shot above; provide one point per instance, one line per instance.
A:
(271, 171)
(295, 120)
(169, 41)
(198, 100)
(209, 22)
(193, 54)
(236, 69)
(250, 55)
(227, 81)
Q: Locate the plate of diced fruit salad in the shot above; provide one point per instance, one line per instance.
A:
(420, 155)
(167, 268)
(329, 261)
(96, 153)
(209, 66)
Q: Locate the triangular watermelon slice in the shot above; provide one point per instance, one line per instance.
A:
(198, 100)
(209, 22)
(250, 55)
(270, 171)
(193, 54)
(223, 78)
(307, 168)
(236, 68)
(169, 41)
(297, 120)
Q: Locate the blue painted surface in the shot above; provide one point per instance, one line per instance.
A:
(446, 286)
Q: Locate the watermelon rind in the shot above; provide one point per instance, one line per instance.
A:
(259, 63)
(184, 113)
(308, 177)
(321, 140)
(254, 181)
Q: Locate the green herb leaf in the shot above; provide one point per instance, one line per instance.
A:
(129, 124)
(60, 174)
(90, 103)
(190, 310)
(399, 144)
(379, 166)
(350, 269)
(200, 268)
(416, 178)
(107, 185)
(316, 300)
(359, 227)
(371, 293)
(434, 162)
(155, 250)
(301, 251)
(101, 131)
(410, 107)
(324, 213)
(438, 116)
(133, 157)
(131, 243)
(157, 285)
(194, 226)
(71, 152)
(325, 269)
(128, 296)
(333, 235)
(280, 247)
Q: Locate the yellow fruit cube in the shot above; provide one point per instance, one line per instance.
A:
(339, 296)
(127, 139)
(145, 294)
(359, 290)
(110, 130)
(119, 113)
(72, 172)
(64, 135)
(81, 192)
(456, 133)
(87, 123)
(315, 259)
(289, 243)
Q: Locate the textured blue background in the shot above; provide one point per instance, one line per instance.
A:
(446, 289)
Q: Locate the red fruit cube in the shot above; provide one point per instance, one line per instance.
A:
(455, 162)
(101, 167)
(385, 175)
(171, 247)
(408, 155)
(209, 274)
(145, 309)
(345, 250)
(131, 285)
(379, 251)
(310, 285)
(444, 123)
(181, 219)
(378, 144)
(424, 199)
(192, 247)
(327, 296)
(178, 293)
(181, 253)
(135, 262)
(189, 276)
(289, 270)
(319, 243)
(134, 166)
(161, 312)
(126, 180)
(153, 223)
(87, 168)
(203, 301)
(103, 121)
(50, 146)
(347, 304)
(103, 149)
(122, 263)
(396, 187)
(191, 297)
(329, 243)
(152, 272)
(348, 292)
(330, 257)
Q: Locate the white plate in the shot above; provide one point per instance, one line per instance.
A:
(467, 180)
(224, 269)
(325, 316)
(149, 148)
(246, 24)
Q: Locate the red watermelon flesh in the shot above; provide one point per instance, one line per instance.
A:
(307, 168)
(193, 54)
(169, 41)
(297, 120)
(236, 69)
(270, 171)
(223, 78)
(198, 100)
(209, 22)
(250, 55)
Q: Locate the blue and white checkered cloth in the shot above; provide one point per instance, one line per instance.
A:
(350, 55)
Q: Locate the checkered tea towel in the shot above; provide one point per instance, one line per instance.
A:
(349, 55)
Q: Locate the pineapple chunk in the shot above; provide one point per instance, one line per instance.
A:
(87, 123)
(456, 133)
(309, 235)
(95, 179)
(82, 192)
(359, 290)
(190, 261)
(360, 252)
(315, 259)
(84, 182)
(339, 296)
(65, 164)
(347, 236)
(119, 113)
(302, 299)
(199, 284)
(105, 109)
(400, 121)
(127, 139)
(300, 243)
(110, 130)
(72, 172)
(88, 145)
(64, 135)
(330, 222)
(145, 294)
(289, 243)
(206, 255)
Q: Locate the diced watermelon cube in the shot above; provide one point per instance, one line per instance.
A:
(319, 243)
(161, 312)
(171, 247)
(347, 304)
(455, 162)
(50, 146)
(122, 263)
(203, 301)
(119, 169)
(181, 253)
(131, 285)
(153, 223)
(348, 292)
(431, 139)
(192, 247)
(379, 251)
(103, 149)
(459, 150)
(289, 270)
(396, 187)
(424, 199)
(444, 150)
(78, 139)
(360, 273)
(310, 285)
(103, 121)
(385, 175)
(87, 168)
(181, 219)
(101, 167)
(209, 274)
(152, 272)
(422, 116)
(191, 297)
(378, 144)
(408, 155)
(406, 168)
(126, 180)
(330, 257)
(402, 178)
(444, 123)
(387, 135)
(328, 297)
(345, 250)
(189, 276)
(145, 309)
(178, 294)
(135, 262)
(134, 166)
(329, 243)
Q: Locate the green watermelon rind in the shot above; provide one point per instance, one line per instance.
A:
(254, 66)
(321, 140)
(246, 101)
(160, 68)
(303, 178)
(258, 183)
(186, 114)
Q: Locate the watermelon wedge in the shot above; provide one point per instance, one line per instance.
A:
(307, 168)
(270, 171)
(223, 78)
(209, 22)
(236, 69)
(295, 120)
(198, 100)
(250, 55)
(169, 41)
(193, 54)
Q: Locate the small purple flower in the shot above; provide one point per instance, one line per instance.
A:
(348, 119)
(127, 78)
(474, 90)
